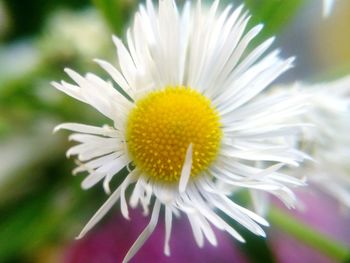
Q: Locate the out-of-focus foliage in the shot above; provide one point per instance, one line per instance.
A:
(27, 16)
(38, 198)
(116, 13)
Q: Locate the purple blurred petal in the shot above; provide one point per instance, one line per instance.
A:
(110, 242)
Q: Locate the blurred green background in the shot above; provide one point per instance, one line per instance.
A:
(42, 207)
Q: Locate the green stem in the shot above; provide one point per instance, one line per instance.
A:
(115, 12)
(309, 236)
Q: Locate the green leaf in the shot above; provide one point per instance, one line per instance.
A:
(274, 14)
(22, 227)
(115, 12)
(308, 235)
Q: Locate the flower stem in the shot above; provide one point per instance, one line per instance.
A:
(309, 236)
(115, 12)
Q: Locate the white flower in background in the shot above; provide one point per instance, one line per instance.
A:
(329, 141)
(327, 7)
(82, 33)
(195, 116)
(325, 138)
(17, 59)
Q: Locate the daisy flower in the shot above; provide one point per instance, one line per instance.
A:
(189, 113)
(329, 141)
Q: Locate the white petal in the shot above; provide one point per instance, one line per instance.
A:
(128, 181)
(207, 230)
(101, 212)
(197, 232)
(91, 95)
(77, 127)
(126, 63)
(186, 170)
(145, 233)
(69, 89)
(111, 168)
(168, 225)
(115, 74)
(89, 166)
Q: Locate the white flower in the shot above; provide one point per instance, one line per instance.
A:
(329, 141)
(194, 117)
(82, 33)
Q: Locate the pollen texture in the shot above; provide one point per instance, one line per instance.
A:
(161, 127)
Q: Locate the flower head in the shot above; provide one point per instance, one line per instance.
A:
(328, 141)
(189, 114)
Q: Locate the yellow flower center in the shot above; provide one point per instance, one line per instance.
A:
(161, 127)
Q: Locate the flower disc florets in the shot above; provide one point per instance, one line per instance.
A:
(161, 127)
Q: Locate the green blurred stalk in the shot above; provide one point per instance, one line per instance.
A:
(274, 14)
(309, 236)
(115, 12)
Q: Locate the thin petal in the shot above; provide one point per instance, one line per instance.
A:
(186, 169)
(145, 233)
(168, 225)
